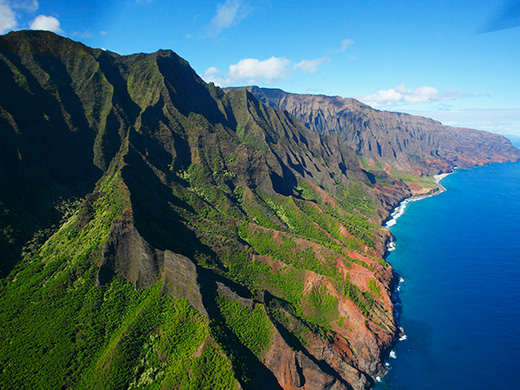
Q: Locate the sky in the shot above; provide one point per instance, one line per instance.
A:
(451, 60)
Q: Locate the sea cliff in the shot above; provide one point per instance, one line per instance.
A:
(158, 232)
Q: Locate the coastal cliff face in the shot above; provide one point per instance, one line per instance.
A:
(157, 232)
(390, 139)
(153, 225)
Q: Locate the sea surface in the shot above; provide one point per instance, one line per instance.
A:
(458, 254)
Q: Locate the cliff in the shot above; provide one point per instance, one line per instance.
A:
(157, 232)
(155, 226)
(385, 139)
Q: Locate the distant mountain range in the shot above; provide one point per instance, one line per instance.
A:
(157, 232)
(405, 142)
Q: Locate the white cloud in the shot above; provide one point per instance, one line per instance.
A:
(505, 121)
(252, 70)
(310, 66)
(228, 14)
(345, 44)
(403, 95)
(7, 17)
(26, 5)
(211, 71)
(48, 23)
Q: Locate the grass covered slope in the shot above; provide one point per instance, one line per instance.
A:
(162, 234)
(60, 328)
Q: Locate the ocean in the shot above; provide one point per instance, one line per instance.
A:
(458, 257)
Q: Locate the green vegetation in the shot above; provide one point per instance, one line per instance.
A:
(110, 338)
(374, 287)
(362, 299)
(423, 181)
(324, 307)
(135, 156)
(250, 325)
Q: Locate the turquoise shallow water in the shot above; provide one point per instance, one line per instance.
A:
(459, 256)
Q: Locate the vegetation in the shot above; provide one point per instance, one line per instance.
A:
(124, 161)
(250, 324)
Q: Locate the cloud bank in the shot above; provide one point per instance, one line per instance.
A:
(252, 71)
(505, 121)
(403, 95)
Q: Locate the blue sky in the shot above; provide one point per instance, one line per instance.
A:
(454, 61)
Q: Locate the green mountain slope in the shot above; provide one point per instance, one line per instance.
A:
(159, 233)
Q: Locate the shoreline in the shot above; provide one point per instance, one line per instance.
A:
(400, 208)
(420, 293)
(397, 279)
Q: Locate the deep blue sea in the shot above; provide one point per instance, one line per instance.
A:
(458, 254)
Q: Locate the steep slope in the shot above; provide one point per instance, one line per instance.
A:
(389, 139)
(159, 233)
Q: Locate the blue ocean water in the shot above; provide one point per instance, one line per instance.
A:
(459, 255)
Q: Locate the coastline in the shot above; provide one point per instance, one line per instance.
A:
(424, 309)
(397, 279)
(416, 195)
(441, 176)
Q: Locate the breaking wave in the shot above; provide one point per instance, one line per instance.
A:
(398, 212)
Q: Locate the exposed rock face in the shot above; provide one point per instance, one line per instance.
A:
(295, 370)
(407, 142)
(181, 280)
(126, 251)
(229, 206)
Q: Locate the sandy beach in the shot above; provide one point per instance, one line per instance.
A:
(441, 176)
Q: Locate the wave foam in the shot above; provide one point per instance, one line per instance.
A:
(398, 212)
(393, 355)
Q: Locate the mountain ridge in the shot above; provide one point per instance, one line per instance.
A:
(385, 138)
(197, 199)
(157, 232)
